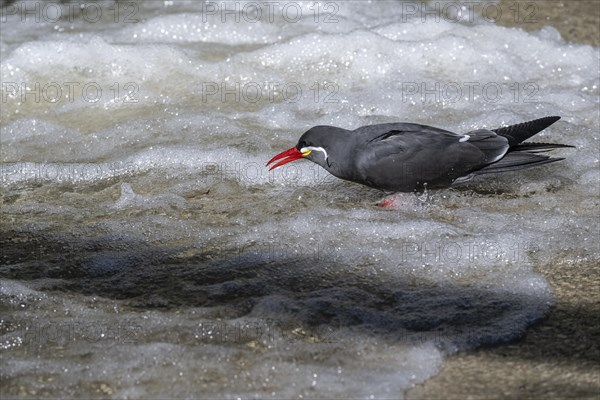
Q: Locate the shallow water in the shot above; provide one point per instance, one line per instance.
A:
(147, 251)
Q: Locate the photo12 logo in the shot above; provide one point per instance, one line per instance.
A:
(269, 11)
(64, 172)
(48, 333)
(279, 251)
(56, 11)
(266, 331)
(455, 252)
(55, 92)
(269, 92)
(468, 11)
(255, 173)
(453, 92)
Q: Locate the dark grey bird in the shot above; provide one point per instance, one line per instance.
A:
(405, 157)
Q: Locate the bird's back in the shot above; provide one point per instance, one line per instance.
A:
(405, 156)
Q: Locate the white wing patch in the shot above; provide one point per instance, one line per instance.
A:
(464, 138)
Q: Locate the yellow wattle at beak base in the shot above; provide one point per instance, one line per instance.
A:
(305, 153)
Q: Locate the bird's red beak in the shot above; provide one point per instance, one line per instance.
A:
(287, 156)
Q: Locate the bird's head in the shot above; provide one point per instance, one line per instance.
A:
(313, 145)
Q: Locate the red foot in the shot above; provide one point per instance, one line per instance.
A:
(400, 200)
(395, 200)
(387, 202)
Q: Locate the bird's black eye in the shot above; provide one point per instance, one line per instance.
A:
(301, 145)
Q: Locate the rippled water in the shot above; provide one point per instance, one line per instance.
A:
(147, 251)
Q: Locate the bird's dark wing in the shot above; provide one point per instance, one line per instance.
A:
(493, 146)
(372, 133)
(516, 160)
(404, 160)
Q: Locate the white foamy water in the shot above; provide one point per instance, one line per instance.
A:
(148, 253)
